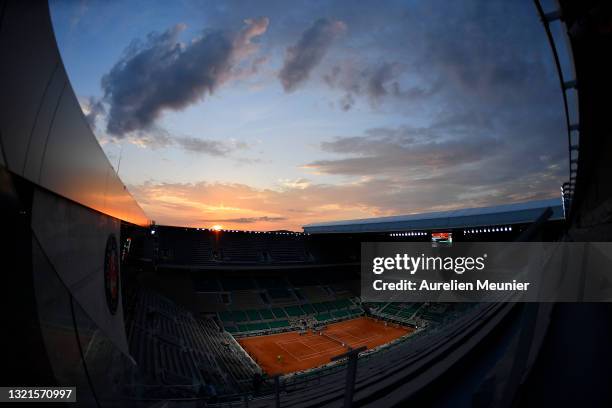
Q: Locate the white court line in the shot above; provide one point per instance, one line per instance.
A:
(306, 355)
(334, 350)
(288, 352)
(318, 353)
(339, 331)
(302, 343)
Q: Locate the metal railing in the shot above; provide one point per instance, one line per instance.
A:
(566, 85)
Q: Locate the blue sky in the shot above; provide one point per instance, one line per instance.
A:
(269, 115)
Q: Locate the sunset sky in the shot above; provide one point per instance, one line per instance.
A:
(272, 114)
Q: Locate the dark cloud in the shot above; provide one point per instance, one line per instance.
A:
(165, 74)
(207, 146)
(307, 53)
(248, 220)
(157, 138)
(494, 119)
(375, 82)
(347, 102)
(383, 81)
(371, 155)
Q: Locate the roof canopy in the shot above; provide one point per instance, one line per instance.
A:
(469, 217)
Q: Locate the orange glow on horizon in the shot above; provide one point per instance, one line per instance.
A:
(217, 227)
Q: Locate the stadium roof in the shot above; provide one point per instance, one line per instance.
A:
(469, 217)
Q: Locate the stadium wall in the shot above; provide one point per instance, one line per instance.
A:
(65, 211)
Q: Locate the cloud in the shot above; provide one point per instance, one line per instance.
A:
(381, 157)
(299, 183)
(240, 206)
(157, 138)
(207, 146)
(308, 52)
(479, 95)
(92, 109)
(407, 149)
(247, 220)
(374, 81)
(163, 73)
(347, 102)
(383, 81)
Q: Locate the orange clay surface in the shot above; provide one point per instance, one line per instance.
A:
(301, 352)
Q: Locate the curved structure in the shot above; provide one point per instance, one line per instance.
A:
(44, 135)
(68, 215)
(573, 136)
(468, 217)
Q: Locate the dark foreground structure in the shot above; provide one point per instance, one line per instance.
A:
(134, 314)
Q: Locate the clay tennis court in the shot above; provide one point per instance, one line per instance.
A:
(301, 352)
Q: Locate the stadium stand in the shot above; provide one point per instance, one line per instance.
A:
(178, 352)
(207, 248)
(172, 347)
(265, 321)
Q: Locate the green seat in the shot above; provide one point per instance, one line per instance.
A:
(278, 324)
(330, 305)
(226, 316)
(308, 308)
(278, 312)
(343, 303)
(239, 316)
(339, 313)
(391, 309)
(294, 311)
(253, 315)
(320, 307)
(266, 314)
(263, 326)
(256, 326)
(321, 317)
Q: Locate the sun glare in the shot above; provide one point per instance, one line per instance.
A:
(217, 227)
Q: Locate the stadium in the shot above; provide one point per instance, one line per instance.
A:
(134, 313)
